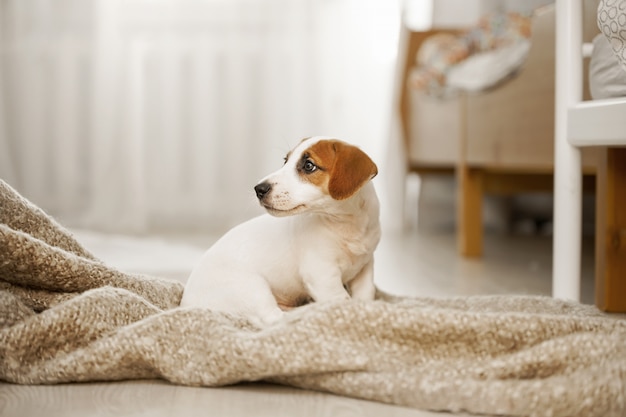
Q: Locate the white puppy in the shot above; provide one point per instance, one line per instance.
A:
(323, 251)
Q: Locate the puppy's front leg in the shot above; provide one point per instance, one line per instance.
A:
(325, 284)
(362, 285)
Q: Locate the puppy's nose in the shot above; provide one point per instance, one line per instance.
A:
(262, 189)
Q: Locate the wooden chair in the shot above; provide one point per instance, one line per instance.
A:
(499, 141)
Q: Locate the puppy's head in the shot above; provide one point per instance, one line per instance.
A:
(317, 172)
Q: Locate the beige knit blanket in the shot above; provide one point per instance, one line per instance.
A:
(65, 316)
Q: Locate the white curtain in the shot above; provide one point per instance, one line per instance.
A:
(140, 115)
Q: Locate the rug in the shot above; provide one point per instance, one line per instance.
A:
(66, 317)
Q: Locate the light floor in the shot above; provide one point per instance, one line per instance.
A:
(408, 264)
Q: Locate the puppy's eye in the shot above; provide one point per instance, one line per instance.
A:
(309, 166)
(285, 160)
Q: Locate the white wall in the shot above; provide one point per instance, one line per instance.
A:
(139, 114)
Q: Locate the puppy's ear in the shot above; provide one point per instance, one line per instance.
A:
(351, 170)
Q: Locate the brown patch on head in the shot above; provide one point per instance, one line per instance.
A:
(313, 166)
(341, 169)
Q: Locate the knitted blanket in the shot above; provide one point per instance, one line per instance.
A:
(65, 316)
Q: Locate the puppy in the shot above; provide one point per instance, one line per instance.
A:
(317, 245)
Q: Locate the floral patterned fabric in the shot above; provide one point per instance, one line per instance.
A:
(440, 52)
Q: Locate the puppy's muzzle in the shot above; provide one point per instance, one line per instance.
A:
(262, 189)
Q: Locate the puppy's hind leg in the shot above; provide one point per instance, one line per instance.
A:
(260, 304)
(234, 291)
(268, 313)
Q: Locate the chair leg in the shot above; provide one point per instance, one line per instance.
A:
(469, 211)
(610, 279)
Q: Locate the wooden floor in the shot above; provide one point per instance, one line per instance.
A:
(408, 264)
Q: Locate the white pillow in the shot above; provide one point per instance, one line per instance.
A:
(612, 22)
(486, 69)
(607, 79)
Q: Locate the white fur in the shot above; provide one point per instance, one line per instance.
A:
(323, 245)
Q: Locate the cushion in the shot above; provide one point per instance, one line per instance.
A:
(607, 79)
(612, 23)
(487, 69)
(477, 58)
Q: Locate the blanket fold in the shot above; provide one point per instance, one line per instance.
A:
(65, 317)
